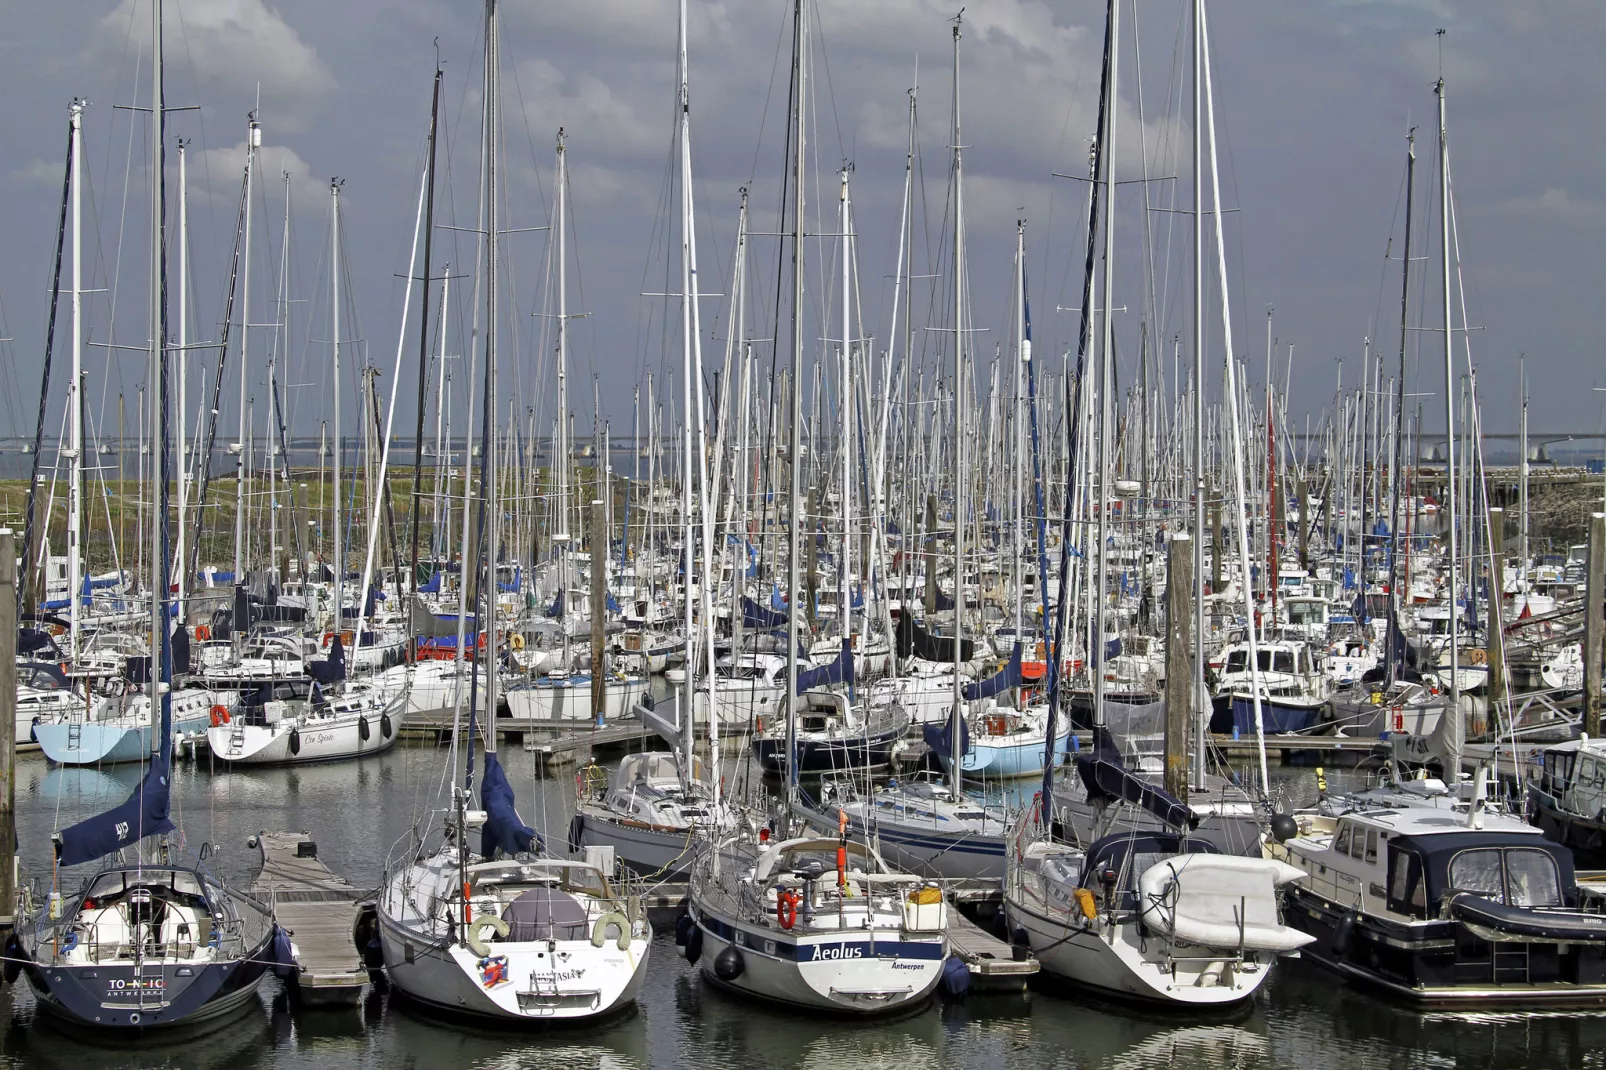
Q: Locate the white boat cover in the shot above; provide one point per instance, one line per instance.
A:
(1210, 899)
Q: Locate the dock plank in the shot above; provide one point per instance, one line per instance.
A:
(319, 910)
(992, 962)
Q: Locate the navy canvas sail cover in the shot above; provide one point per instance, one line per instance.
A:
(1007, 678)
(1106, 777)
(331, 669)
(940, 737)
(144, 813)
(756, 616)
(504, 829)
(838, 672)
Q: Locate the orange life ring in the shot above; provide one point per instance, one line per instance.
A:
(786, 904)
(203, 632)
(220, 716)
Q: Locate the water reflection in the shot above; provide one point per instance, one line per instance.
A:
(357, 811)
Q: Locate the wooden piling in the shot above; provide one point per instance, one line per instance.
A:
(8, 728)
(1497, 636)
(599, 610)
(1178, 662)
(1594, 624)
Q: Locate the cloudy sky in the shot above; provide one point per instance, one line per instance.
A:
(1314, 101)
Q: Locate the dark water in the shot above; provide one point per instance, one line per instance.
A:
(357, 811)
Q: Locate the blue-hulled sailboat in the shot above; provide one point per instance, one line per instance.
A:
(153, 940)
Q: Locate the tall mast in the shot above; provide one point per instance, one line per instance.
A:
(181, 555)
(1105, 366)
(955, 774)
(154, 382)
(694, 396)
(334, 326)
(561, 537)
(1017, 442)
(688, 540)
(253, 141)
(1198, 396)
(1399, 417)
(795, 518)
(492, 510)
(270, 440)
(1453, 770)
(1235, 431)
(75, 388)
(424, 338)
(845, 405)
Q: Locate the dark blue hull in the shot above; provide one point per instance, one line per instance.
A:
(122, 996)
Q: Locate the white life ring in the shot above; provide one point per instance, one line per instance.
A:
(474, 938)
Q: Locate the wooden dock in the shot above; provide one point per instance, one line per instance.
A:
(319, 911)
(994, 965)
(557, 740)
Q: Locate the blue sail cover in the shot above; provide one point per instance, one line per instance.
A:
(144, 813)
(839, 671)
(1007, 678)
(504, 829)
(756, 616)
(433, 586)
(940, 737)
(1106, 776)
(331, 669)
(518, 581)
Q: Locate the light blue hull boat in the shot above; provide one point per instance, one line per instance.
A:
(122, 739)
(1016, 754)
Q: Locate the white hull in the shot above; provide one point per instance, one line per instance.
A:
(857, 983)
(571, 699)
(1119, 961)
(293, 742)
(572, 980)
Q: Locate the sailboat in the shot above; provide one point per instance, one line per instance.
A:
(564, 691)
(507, 933)
(154, 939)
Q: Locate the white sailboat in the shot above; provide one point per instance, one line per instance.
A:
(506, 933)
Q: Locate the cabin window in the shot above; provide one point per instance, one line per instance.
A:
(1283, 662)
(1531, 879)
(1398, 889)
(1407, 888)
(1341, 844)
(1478, 871)
(1371, 845)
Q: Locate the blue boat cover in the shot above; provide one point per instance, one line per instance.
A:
(1007, 678)
(433, 586)
(1106, 777)
(756, 616)
(144, 813)
(518, 581)
(504, 830)
(838, 672)
(331, 669)
(939, 737)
